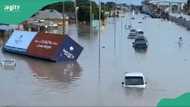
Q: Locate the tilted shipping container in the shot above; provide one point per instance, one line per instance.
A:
(19, 42)
(45, 46)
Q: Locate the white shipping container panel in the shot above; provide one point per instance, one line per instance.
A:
(20, 39)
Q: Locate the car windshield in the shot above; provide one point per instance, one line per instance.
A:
(141, 32)
(134, 80)
(133, 30)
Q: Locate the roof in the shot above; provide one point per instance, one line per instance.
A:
(8, 27)
(134, 74)
(48, 14)
(139, 30)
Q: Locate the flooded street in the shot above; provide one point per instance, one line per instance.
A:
(165, 65)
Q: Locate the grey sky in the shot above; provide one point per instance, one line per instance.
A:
(136, 1)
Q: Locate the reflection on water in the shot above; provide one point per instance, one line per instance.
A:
(135, 92)
(142, 51)
(7, 68)
(84, 30)
(64, 72)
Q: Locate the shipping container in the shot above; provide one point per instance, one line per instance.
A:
(54, 47)
(42, 45)
(19, 42)
(45, 45)
(69, 50)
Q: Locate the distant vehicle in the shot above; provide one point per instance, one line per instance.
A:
(140, 43)
(140, 32)
(180, 17)
(41, 21)
(133, 18)
(8, 63)
(132, 34)
(134, 80)
(129, 26)
(180, 39)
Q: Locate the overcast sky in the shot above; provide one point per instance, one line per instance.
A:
(125, 1)
(136, 1)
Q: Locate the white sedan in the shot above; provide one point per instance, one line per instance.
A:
(134, 80)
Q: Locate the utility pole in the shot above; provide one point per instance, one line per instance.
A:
(99, 40)
(76, 12)
(91, 20)
(63, 13)
(115, 25)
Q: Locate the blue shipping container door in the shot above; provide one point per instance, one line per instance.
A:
(69, 51)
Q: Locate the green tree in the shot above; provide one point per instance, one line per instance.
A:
(57, 6)
(84, 8)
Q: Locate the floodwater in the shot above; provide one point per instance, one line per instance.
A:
(165, 65)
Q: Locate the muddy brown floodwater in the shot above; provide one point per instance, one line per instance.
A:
(35, 82)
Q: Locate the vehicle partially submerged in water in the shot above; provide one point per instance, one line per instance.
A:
(134, 80)
(132, 34)
(140, 43)
(8, 63)
(140, 32)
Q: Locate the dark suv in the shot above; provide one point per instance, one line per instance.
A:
(140, 43)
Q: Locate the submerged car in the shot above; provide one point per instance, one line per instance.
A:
(140, 43)
(140, 32)
(132, 34)
(132, 18)
(134, 80)
(8, 62)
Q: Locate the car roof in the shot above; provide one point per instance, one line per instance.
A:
(140, 30)
(138, 74)
(133, 29)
